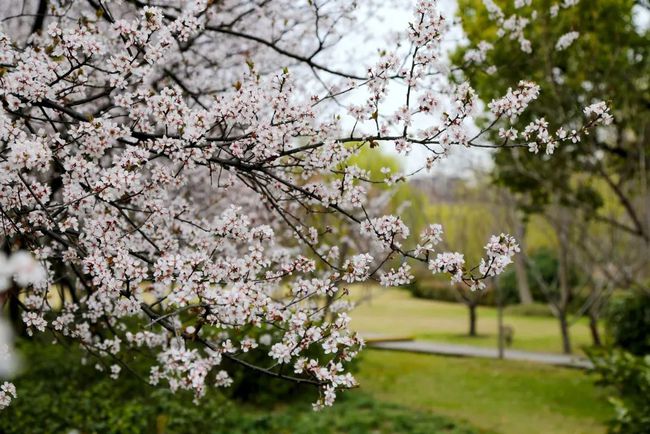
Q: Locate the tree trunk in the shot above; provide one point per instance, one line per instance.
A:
(40, 17)
(563, 278)
(525, 296)
(472, 319)
(501, 342)
(564, 330)
(595, 333)
(14, 315)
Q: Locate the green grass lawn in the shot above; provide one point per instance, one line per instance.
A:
(400, 393)
(393, 312)
(492, 395)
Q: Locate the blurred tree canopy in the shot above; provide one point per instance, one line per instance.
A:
(609, 61)
(545, 263)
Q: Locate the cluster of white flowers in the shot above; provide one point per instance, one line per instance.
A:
(512, 26)
(7, 393)
(186, 369)
(34, 320)
(449, 262)
(357, 268)
(555, 9)
(399, 277)
(538, 129)
(599, 112)
(515, 101)
(566, 40)
(29, 154)
(538, 136)
(515, 25)
(500, 250)
(478, 55)
(389, 230)
(431, 236)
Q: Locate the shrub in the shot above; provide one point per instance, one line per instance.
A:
(625, 368)
(434, 289)
(628, 322)
(431, 289)
(534, 309)
(628, 375)
(545, 266)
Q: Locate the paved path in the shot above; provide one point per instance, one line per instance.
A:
(489, 353)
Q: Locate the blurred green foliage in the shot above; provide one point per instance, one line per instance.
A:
(628, 376)
(543, 265)
(442, 290)
(624, 368)
(628, 322)
(609, 61)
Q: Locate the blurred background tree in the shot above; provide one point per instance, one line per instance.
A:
(600, 181)
(593, 194)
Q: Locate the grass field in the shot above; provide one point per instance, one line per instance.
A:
(494, 396)
(399, 393)
(392, 312)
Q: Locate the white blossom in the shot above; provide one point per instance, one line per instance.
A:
(566, 40)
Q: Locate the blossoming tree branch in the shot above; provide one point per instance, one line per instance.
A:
(169, 169)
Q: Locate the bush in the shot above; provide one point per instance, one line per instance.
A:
(628, 376)
(628, 322)
(545, 266)
(626, 367)
(534, 309)
(434, 289)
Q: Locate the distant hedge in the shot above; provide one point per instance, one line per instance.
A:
(434, 289)
(545, 263)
